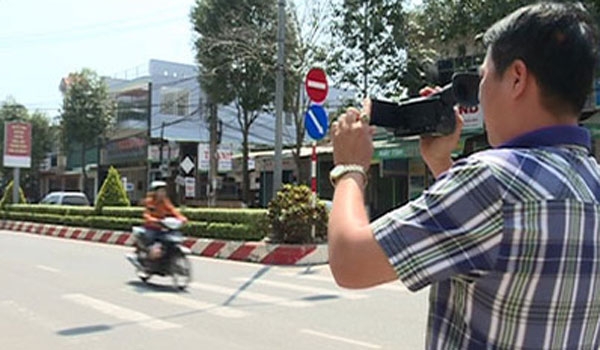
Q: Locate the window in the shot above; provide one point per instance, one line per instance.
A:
(50, 199)
(174, 101)
(75, 200)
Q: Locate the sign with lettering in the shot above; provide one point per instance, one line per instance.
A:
(224, 152)
(17, 145)
(472, 118)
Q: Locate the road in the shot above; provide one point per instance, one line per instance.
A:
(63, 294)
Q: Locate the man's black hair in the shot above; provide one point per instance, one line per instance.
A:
(558, 44)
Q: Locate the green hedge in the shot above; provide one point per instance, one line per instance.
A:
(232, 216)
(124, 212)
(254, 220)
(193, 229)
(62, 210)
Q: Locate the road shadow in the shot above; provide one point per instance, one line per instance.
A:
(247, 284)
(77, 331)
(320, 297)
(141, 287)
(308, 271)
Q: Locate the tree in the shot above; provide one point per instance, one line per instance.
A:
(236, 50)
(453, 24)
(42, 137)
(87, 112)
(7, 197)
(370, 42)
(112, 193)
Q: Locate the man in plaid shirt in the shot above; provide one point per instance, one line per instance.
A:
(508, 238)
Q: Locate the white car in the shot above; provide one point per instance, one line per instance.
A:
(66, 198)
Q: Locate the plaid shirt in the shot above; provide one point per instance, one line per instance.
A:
(508, 239)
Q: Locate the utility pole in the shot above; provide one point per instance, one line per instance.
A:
(278, 164)
(149, 138)
(160, 156)
(214, 155)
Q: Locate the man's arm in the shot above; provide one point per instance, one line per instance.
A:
(174, 211)
(355, 258)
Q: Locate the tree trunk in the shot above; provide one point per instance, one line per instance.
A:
(245, 172)
(366, 51)
(83, 171)
(214, 156)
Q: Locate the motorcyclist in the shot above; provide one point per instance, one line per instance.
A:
(158, 206)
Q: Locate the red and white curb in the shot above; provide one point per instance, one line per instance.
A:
(259, 252)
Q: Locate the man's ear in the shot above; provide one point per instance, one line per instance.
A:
(519, 78)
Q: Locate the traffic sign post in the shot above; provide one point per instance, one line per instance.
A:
(316, 123)
(316, 85)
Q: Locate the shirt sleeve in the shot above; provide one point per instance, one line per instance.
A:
(453, 228)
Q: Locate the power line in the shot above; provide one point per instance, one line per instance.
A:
(102, 25)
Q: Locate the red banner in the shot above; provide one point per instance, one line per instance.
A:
(17, 145)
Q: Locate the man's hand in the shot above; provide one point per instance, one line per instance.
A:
(352, 140)
(437, 150)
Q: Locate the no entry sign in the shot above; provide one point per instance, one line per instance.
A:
(316, 85)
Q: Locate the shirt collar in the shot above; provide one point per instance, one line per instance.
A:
(552, 136)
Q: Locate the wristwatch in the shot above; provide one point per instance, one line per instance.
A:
(340, 171)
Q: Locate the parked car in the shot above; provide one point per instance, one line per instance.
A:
(66, 198)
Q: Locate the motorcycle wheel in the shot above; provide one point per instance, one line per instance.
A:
(182, 271)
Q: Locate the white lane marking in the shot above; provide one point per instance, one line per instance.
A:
(120, 312)
(394, 287)
(257, 297)
(308, 277)
(340, 339)
(47, 268)
(305, 289)
(218, 310)
(27, 314)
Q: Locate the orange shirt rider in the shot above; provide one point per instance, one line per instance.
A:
(158, 209)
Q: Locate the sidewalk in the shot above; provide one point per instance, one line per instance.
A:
(257, 252)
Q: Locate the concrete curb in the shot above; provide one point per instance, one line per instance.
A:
(258, 252)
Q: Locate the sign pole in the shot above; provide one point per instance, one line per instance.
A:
(316, 123)
(313, 182)
(16, 184)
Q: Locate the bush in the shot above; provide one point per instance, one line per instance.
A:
(7, 198)
(112, 192)
(291, 216)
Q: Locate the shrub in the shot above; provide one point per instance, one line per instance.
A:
(112, 192)
(7, 198)
(291, 216)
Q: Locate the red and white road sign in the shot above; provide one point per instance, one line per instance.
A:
(316, 85)
(17, 145)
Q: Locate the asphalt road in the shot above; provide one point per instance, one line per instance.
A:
(63, 294)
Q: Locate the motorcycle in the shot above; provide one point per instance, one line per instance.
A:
(170, 256)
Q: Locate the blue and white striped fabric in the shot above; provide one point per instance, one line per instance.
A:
(509, 241)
